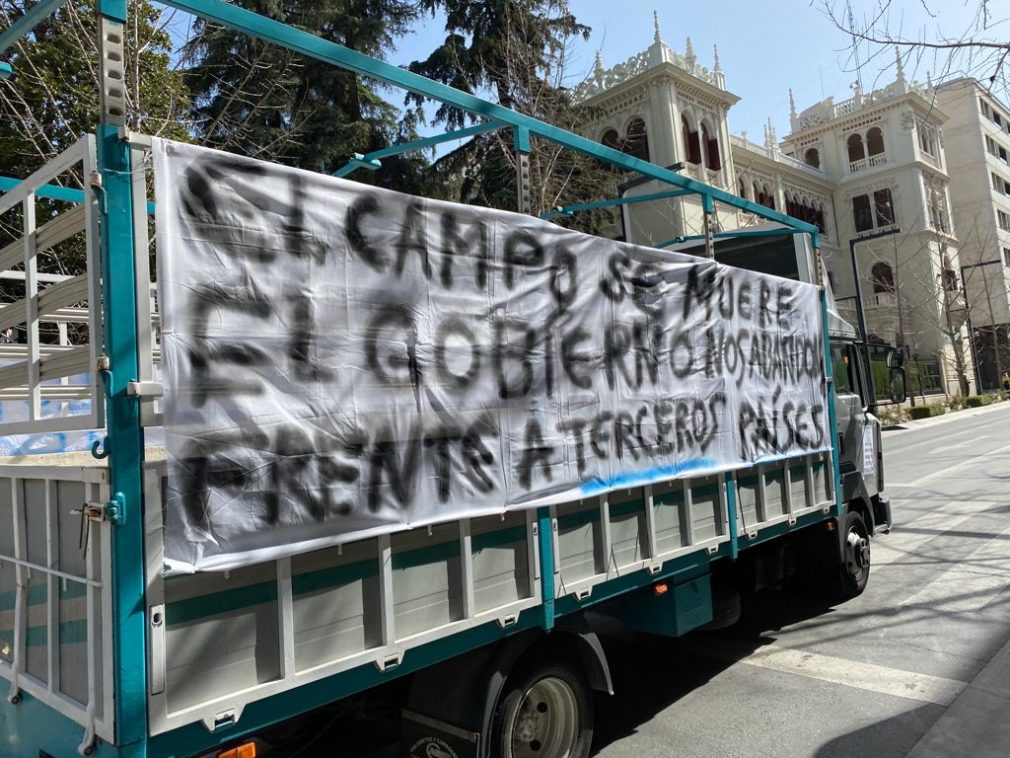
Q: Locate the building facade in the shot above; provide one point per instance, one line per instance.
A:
(977, 137)
(871, 170)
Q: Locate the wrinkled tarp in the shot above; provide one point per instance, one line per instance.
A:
(342, 361)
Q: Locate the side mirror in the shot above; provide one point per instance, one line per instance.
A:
(896, 381)
(895, 357)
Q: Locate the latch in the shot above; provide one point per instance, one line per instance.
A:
(113, 511)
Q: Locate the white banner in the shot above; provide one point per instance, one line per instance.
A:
(342, 361)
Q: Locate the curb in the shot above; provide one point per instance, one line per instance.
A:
(910, 426)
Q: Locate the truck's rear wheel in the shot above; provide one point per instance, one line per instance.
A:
(545, 712)
(855, 568)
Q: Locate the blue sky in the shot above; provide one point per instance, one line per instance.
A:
(764, 47)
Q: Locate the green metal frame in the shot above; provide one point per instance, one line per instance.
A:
(24, 25)
(373, 160)
(125, 434)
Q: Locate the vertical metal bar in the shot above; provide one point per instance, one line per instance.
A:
(21, 590)
(708, 227)
(469, 605)
(142, 258)
(650, 520)
(286, 618)
(606, 540)
(787, 479)
(124, 434)
(546, 526)
(761, 490)
(524, 196)
(387, 610)
(101, 567)
(155, 581)
(52, 586)
(94, 264)
(34, 355)
(731, 517)
(688, 511)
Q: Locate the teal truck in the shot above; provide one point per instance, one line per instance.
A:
(352, 436)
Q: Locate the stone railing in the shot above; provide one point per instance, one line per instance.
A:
(658, 53)
(828, 109)
(776, 155)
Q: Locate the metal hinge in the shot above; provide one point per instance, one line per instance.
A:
(145, 389)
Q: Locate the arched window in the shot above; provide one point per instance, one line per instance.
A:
(812, 158)
(855, 146)
(743, 189)
(710, 144)
(763, 196)
(883, 278)
(692, 146)
(636, 140)
(612, 139)
(874, 142)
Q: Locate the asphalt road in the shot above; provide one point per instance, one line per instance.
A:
(916, 666)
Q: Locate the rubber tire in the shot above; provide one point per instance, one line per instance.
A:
(511, 699)
(727, 608)
(852, 583)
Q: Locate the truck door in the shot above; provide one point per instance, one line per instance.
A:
(858, 429)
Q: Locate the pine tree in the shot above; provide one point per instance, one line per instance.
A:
(264, 101)
(516, 54)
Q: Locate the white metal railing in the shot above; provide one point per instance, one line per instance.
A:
(55, 570)
(50, 375)
(878, 160)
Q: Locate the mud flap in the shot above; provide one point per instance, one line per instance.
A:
(425, 737)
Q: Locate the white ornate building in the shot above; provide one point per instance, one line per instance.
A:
(870, 165)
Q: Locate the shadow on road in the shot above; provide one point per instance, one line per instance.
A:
(652, 673)
(888, 738)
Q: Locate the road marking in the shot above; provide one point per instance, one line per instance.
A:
(969, 441)
(826, 668)
(975, 459)
(899, 544)
(973, 582)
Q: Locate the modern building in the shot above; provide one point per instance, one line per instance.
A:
(977, 137)
(869, 171)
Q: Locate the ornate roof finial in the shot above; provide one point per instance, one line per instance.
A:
(689, 55)
(716, 66)
(598, 66)
(898, 64)
(792, 104)
(771, 141)
(655, 24)
(929, 80)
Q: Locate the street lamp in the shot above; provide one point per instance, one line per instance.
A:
(971, 330)
(859, 297)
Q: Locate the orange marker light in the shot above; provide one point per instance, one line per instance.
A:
(660, 589)
(245, 750)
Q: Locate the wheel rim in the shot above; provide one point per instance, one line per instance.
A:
(546, 725)
(857, 553)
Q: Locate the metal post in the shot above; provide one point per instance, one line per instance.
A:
(524, 197)
(708, 211)
(125, 437)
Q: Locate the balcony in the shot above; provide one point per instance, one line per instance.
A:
(864, 163)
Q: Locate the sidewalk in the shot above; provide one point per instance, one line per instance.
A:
(977, 723)
(907, 426)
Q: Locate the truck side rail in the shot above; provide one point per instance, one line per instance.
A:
(55, 374)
